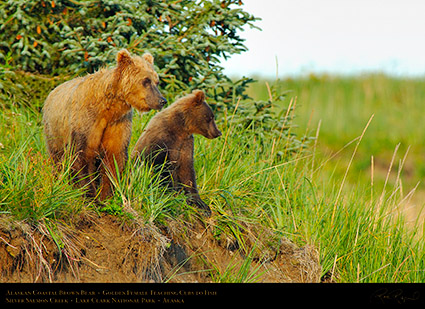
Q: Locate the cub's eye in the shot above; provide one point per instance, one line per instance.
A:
(146, 82)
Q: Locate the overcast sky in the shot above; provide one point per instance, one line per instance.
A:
(333, 36)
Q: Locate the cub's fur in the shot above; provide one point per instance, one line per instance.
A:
(169, 138)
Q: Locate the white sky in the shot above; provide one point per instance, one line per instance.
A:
(333, 36)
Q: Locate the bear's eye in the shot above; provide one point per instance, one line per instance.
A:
(146, 82)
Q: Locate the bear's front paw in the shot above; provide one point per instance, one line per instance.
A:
(196, 201)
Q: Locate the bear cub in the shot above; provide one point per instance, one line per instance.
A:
(168, 138)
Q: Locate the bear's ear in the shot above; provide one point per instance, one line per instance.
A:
(148, 57)
(123, 56)
(199, 96)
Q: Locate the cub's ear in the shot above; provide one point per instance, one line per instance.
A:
(123, 57)
(199, 96)
(148, 57)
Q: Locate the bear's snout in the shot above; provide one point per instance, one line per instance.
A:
(162, 101)
(217, 134)
(157, 103)
(214, 133)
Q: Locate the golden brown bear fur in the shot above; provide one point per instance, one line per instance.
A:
(168, 138)
(92, 115)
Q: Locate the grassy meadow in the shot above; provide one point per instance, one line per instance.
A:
(367, 160)
(338, 109)
(344, 193)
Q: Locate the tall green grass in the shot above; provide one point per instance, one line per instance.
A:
(361, 186)
(31, 188)
(341, 106)
(248, 179)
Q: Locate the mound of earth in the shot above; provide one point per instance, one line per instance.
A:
(104, 249)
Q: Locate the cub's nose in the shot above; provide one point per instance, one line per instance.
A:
(217, 134)
(162, 101)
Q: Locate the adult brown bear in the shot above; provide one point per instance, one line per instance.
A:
(92, 117)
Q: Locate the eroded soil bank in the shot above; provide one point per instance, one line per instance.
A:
(104, 249)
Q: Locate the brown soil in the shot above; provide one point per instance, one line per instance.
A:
(104, 249)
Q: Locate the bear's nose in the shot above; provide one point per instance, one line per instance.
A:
(162, 101)
(217, 134)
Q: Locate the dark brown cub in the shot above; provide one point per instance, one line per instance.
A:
(168, 138)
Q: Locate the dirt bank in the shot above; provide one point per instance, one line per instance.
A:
(104, 249)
